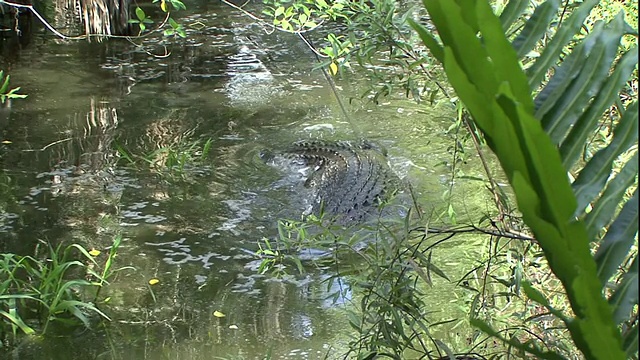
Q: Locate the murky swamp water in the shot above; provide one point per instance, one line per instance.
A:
(63, 179)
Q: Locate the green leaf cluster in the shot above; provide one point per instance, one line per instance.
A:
(35, 292)
(538, 140)
(142, 19)
(371, 34)
(302, 15)
(175, 28)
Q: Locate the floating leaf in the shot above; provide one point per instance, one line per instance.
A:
(94, 252)
(153, 281)
(218, 314)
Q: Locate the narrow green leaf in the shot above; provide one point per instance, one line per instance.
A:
(573, 144)
(437, 271)
(561, 80)
(535, 295)
(565, 33)
(625, 297)
(469, 94)
(429, 41)
(547, 176)
(605, 207)
(467, 48)
(442, 346)
(5, 85)
(503, 57)
(18, 296)
(536, 27)
(84, 252)
(595, 173)
(78, 314)
(17, 321)
(596, 329)
(470, 17)
(511, 13)
(619, 239)
(124, 153)
(570, 105)
(530, 347)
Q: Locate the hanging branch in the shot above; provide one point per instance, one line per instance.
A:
(57, 33)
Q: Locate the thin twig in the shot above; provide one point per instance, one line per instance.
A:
(492, 183)
(50, 145)
(474, 229)
(334, 89)
(311, 47)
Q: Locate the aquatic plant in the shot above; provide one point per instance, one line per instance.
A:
(385, 262)
(174, 160)
(5, 92)
(63, 287)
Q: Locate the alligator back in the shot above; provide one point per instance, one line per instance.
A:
(347, 179)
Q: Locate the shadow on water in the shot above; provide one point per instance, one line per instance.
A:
(63, 179)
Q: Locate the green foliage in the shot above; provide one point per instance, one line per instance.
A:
(576, 68)
(142, 19)
(386, 263)
(293, 237)
(525, 134)
(176, 4)
(174, 160)
(392, 314)
(5, 92)
(108, 272)
(175, 28)
(300, 16)
(372, 34)
(34, 293)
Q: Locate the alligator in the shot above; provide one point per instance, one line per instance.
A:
(347, 180)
